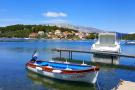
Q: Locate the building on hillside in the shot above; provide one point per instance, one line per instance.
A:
(49, 32)
(81, 35)
(77, 33)
(65, 34)
(57, 32)
(41, 33)
(33, 35)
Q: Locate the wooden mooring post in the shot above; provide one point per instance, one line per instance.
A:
(112, 59)
(70, 55)
(60, 54)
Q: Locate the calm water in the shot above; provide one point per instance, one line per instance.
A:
(14, 76)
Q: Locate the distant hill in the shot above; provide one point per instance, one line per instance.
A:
(79, 28)
(20, 30)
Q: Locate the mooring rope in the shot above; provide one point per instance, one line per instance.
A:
(98, 85)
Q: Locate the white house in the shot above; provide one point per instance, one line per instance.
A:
(41, 33)
(57, 32)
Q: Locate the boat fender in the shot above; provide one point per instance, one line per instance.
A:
(39, 68)
(56, 71)
(49, 66)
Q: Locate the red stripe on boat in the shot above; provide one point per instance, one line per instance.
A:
(31, 65)
(79, 71)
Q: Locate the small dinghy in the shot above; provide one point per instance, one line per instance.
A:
(64, 71)
(130, 42)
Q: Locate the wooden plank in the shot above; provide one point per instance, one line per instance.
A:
(125, 85)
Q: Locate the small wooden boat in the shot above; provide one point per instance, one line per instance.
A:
(64, 71)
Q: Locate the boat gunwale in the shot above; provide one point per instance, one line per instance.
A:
(66, 63)
(64, 71)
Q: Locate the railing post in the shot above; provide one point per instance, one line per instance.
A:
(60, 54)
(71, 55)
(112, 59)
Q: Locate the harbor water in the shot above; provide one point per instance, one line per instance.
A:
(14, 53)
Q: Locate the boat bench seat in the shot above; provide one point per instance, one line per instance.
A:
(109, 45)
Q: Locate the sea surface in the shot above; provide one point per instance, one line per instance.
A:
(15, 53)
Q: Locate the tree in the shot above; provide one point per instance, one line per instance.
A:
(91, 36)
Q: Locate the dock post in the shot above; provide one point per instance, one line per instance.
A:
(60, 54)
(112, 59)
(71, 55)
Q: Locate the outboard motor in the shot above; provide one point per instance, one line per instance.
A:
(34, 56)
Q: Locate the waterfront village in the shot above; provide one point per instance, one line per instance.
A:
(44, 32)
(51, 32)
(58, 34)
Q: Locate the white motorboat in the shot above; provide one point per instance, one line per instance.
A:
(106, 42)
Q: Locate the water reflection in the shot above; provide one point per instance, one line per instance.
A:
(105, 59)
(16, 54)
(53, 84)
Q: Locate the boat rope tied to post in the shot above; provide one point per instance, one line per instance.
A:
(67, 68)
(66, 62)
(83, 63)
(98, 85)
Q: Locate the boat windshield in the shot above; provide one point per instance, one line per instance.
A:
(107, 39)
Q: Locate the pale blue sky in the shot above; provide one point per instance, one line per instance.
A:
(109, 15)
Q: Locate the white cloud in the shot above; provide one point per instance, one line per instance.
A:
(54, 14)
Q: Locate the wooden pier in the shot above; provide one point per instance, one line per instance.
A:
(125, 85)
(70, 51)
(104, 64)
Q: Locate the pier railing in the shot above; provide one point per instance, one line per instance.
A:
(112, 55)
(93, 52)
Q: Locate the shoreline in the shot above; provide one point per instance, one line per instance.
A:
(36, 39)
(53, 39)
